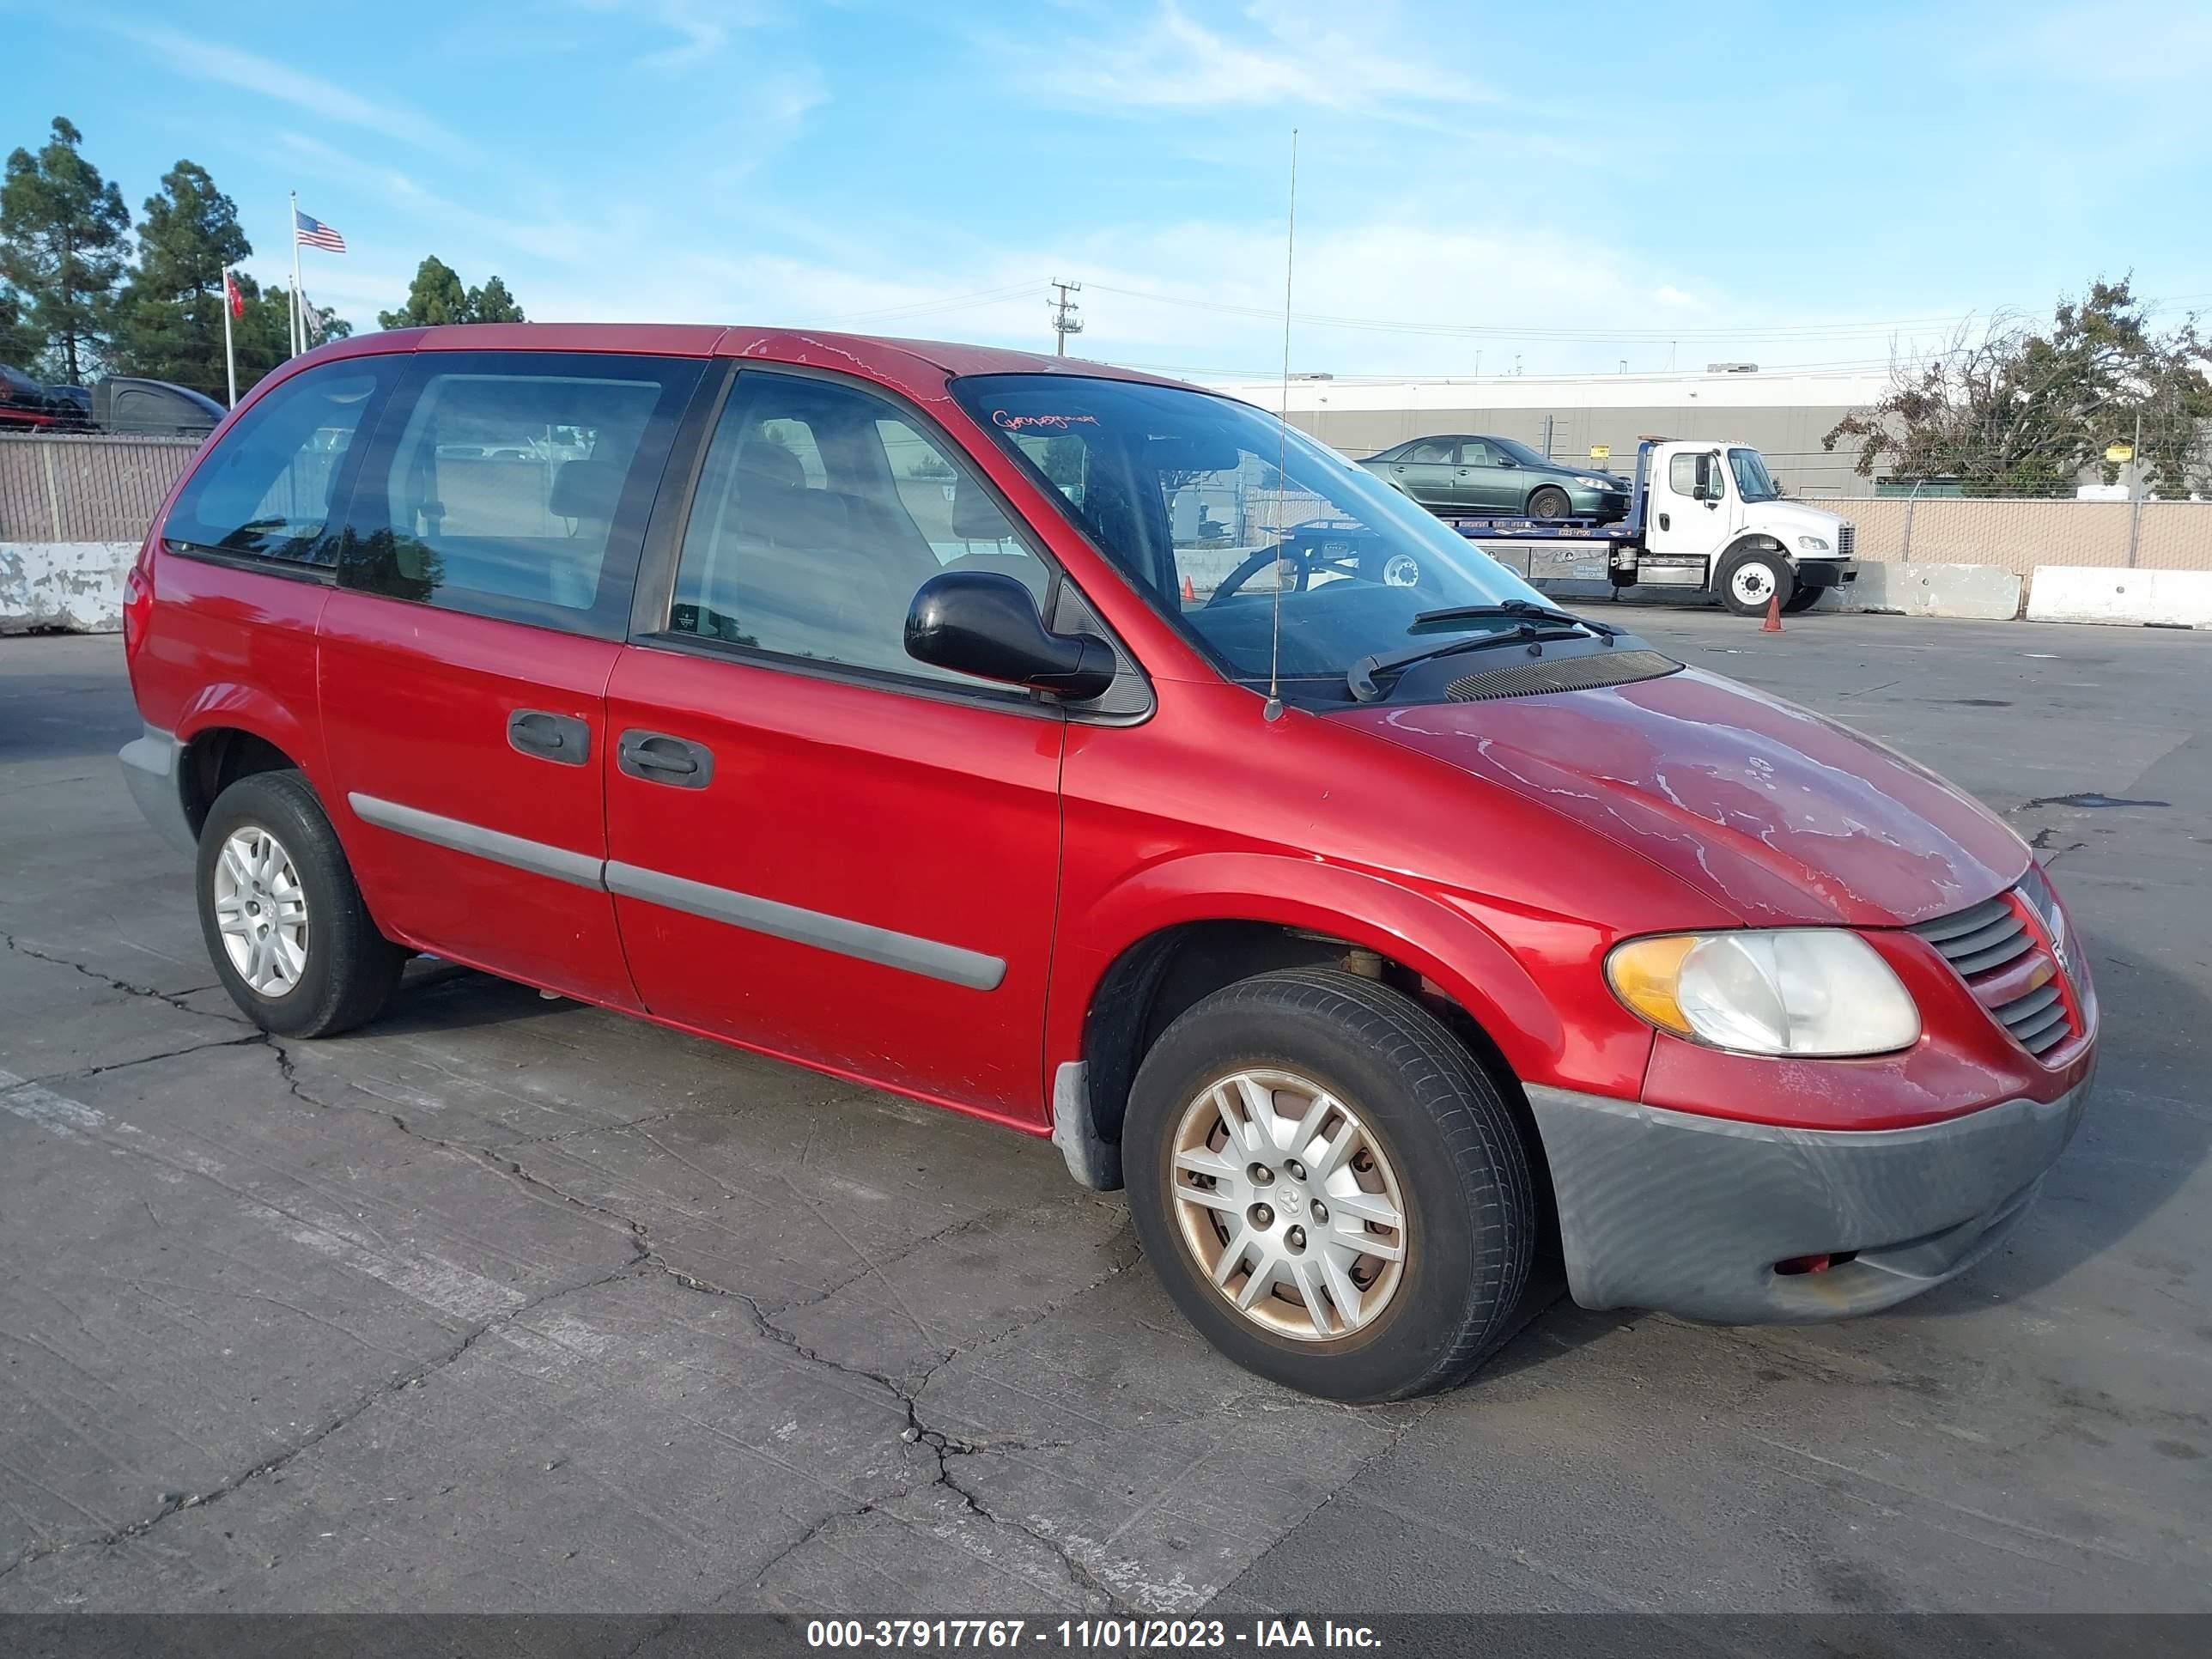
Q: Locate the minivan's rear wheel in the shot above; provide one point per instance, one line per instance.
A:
(1329, 1186)
(285, 924)
(1750, 580)
(1550, 502)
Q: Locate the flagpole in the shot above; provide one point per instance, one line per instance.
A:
(229, 351)
(298, 323)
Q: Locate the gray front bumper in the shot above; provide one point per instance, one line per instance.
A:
(1689, 1214)
(150, 768)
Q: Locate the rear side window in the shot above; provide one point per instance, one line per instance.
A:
(267, 489)
(517, 484)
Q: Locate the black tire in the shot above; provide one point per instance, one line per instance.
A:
(1550, 502)
(1804, 599)
(1463, 1173)
(350, 968)
(1749, 579)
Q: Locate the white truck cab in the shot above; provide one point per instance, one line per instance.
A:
(1713, 517)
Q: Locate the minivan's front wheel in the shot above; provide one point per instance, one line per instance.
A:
(1329, 1186)
(285, 924)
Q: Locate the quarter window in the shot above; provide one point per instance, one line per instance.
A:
(266, 490)
(518, 486)
(823, 560)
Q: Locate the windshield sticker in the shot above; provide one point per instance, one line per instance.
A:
(1006, 420)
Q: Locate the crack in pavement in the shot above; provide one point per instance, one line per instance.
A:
(176, 1504)
(174, 999)
(945, 1449)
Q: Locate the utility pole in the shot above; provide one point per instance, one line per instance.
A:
(1065, 321)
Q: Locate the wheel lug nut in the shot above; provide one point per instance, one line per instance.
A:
(1261, 1175)
(1296, 1170)
(1297, 1238)
(1320, 1210)
(1261, 1216)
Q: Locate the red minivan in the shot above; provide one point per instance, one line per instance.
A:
(1099, 756)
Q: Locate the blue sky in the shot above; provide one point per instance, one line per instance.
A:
(1788, 184)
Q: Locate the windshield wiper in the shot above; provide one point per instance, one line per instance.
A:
(1516, 608)
(1361, 676)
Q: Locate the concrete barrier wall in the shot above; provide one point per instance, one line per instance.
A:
(1986, 591)
(2170, 599)
(70, 585)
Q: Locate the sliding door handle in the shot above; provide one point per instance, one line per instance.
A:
(543, 736)
(656, 757)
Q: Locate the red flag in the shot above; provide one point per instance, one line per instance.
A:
(231, 295)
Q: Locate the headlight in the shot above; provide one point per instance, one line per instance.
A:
(1606, 484)
(1796, 991)
(1812, 544)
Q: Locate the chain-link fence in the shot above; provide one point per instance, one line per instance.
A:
(85, 488)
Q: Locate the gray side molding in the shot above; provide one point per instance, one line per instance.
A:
(950, 963)
(1095, 1162)
(579, 869)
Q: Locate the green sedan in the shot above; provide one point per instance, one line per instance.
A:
(1461, 473)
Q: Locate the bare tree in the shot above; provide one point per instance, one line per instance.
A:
(2007, 409)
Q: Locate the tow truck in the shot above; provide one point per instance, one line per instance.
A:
(1704, 516)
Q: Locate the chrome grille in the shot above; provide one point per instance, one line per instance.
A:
(1847, 538)
(1985, 943)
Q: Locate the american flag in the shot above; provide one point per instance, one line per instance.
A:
(313, 233)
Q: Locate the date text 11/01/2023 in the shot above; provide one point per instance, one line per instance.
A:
(1087, 1634)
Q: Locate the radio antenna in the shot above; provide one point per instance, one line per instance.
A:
(1274, 710)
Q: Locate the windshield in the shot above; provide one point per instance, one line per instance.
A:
(1217, 509)
(1753, 481)
(1520, 452)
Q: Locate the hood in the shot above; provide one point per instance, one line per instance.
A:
(1568, 469)
(1779, 815)
(1790, 519)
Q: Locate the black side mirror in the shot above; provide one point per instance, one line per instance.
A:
(1703, 490)
(984, 624)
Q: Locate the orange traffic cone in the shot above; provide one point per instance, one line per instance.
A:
(1189, 593)
(1773, 623)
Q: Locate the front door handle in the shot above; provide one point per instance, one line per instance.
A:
(656, 757)
(542, 736)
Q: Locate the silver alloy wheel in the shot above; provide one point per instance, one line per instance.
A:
(261, 909)
(1289, 1205)
(1752, 583)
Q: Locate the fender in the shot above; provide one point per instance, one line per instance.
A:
(227, 704)
(1459, 948)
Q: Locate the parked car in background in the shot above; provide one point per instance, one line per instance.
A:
(1459, 473)
(24, 404)
(128, 402)
(1385, 929)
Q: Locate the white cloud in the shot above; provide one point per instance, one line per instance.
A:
(1274, 53)
(209, 60)
(701, 27)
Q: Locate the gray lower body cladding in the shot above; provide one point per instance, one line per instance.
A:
(151, 764)
(1689, 1214)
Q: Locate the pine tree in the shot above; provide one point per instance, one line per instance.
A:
(169, 321)
(62, 230)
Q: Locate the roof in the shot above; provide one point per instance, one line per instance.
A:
(918, 367)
